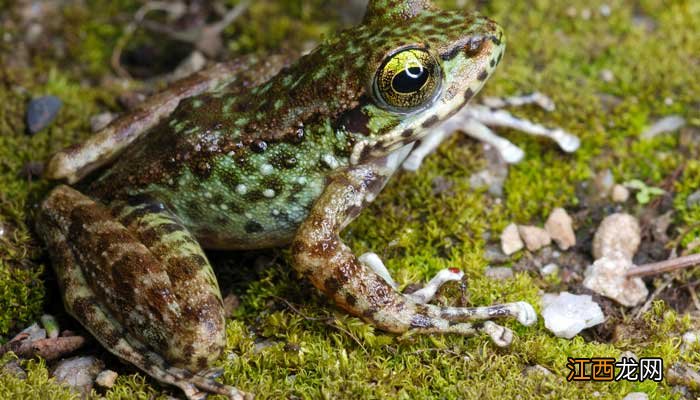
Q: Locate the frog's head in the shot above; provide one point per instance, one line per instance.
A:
(424, 65)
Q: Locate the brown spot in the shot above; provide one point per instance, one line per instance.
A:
(430, 121)
(483, 75)
(350, 300)
(331, 286)
(468, 95)
(407, 133)
(202, 362)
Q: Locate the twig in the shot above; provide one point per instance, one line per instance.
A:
(664, 266)
(48, 349)
(653, 297)
(694, 296)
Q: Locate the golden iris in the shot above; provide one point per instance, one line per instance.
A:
(407, 79)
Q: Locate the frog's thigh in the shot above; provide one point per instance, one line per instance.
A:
(323, 258)
(94, 256)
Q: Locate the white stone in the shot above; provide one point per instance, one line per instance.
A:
(559, 225)
(607, 277)
(510, 240)
(567, 314)
(550, 269)
(636, 396)
(534, 237)
(618, 236)
(499, 273)
(620, 194)
(106, 378)
(78, 372)
(664, 125)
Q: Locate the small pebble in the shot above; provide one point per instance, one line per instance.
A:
(537, 369)
(604, 182)
(510, 240)
(106, 378)
(41, 111)
(559, 227)
(682, 373)
(534, 237)
(620, 194)
(605, 10)
(607, 277)
(607, 75)
(628, 355)
(567, 314)
(668, 124)
(100, 121)
(499, 273)
(693, 199)
(78, 372)
(617, 233)
(636, 396)
(549, 269)
(13, 368)
(691, 337)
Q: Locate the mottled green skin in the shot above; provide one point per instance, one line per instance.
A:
(208, 164)
(249, 161)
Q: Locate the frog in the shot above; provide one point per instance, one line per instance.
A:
(256, 153)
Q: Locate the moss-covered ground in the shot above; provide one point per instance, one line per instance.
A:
(286, 340)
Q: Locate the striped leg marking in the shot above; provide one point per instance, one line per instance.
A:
(117, 283)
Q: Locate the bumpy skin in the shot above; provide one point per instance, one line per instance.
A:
(254, 154)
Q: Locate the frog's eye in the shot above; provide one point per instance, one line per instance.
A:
(407, 79)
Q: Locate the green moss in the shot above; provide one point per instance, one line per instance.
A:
(36, 386)
(315, 350)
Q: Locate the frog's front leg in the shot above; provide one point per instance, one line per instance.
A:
(476, 119)
(138, 281)
(323, 258)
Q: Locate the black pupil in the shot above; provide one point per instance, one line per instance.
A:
(410, 80)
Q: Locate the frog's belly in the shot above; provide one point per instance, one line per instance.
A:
(243, 216)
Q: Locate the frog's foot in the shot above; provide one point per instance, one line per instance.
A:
(475, 120)
(421, 296)
(364, 288)
(140, 284)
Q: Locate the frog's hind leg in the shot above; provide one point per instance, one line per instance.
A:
(124, 292)
(362, 289)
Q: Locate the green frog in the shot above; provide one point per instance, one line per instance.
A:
(258, 153)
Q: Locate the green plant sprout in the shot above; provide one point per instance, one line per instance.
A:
(644, 193)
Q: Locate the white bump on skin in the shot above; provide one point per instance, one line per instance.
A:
(330, 161)
(241, 189)
(301, 180)
(208, 195)
(275, 212)
(269, 193)
(224, 207)
(266, 169)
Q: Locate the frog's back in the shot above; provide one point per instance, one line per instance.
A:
(232, 192)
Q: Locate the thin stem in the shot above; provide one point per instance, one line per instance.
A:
(664, 266)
